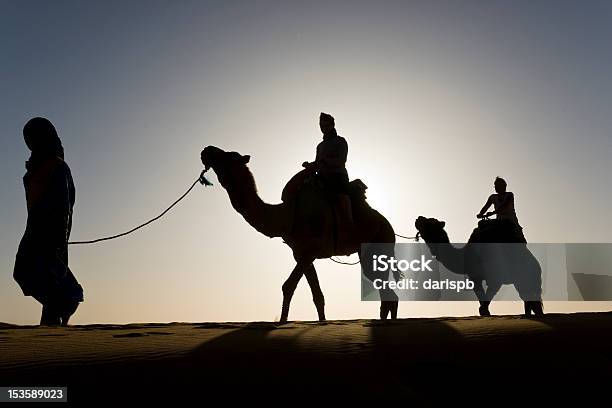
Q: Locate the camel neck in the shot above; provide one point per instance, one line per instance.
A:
(450, 256)
(269, 219)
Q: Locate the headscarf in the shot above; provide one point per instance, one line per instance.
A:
(326, 117)
(41, 138)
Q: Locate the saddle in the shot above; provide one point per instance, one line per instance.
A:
(357, 187)
(357, 190)
(313, 198)
(498, 231)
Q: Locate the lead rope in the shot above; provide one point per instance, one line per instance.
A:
(202, 180)
(415, 238)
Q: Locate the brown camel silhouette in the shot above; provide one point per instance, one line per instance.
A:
(304, 220)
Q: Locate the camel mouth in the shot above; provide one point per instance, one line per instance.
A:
(422, 222)
(418, 223)
(220, 160)
(209, 155)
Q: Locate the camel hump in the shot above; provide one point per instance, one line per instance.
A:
(498, 231)
(358, 189)
(294, 185)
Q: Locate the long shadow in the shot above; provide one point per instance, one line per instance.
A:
(268, 359)
(497, 362)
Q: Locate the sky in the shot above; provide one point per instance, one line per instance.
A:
(435, 98)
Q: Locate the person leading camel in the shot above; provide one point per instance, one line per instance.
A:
(41, 265)
(330, 167)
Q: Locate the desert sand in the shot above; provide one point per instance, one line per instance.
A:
(468, 361)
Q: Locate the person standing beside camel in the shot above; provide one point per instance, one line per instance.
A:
(330, 167)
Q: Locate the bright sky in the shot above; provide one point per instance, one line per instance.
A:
(435, 98)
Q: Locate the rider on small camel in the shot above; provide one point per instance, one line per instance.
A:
(503, 202)
(329, 166)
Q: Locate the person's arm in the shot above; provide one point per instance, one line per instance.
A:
(71, 200)
(314, 165)
(319, 156)
(63, 196)
(486, 207)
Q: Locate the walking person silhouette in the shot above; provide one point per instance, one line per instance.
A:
(41, 265)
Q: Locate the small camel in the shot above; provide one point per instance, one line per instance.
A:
(509, 262)
(304, 220)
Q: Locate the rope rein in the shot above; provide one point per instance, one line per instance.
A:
(415, 238)
(344, 263)
(202, 180)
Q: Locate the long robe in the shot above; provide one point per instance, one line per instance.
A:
(41, 266)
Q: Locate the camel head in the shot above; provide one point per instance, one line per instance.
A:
(230, 167)
(431, 229)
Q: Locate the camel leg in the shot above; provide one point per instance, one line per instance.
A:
(289, 288)
(317, 295)
(492, 289)
(388, 306)
(384, 310)
(535, 306)
(531, 294)
(527, 306)
(483, 310)
(393, 308)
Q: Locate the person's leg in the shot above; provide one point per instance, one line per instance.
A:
(338, 188)
(67, 311)
(49, 316)
(348, 240)
(70, 295)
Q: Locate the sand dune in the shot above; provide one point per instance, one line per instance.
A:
(424, 361)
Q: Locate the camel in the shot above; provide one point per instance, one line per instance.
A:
(507, 262)
(304, 220)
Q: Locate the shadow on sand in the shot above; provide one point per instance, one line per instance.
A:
(419, 361)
